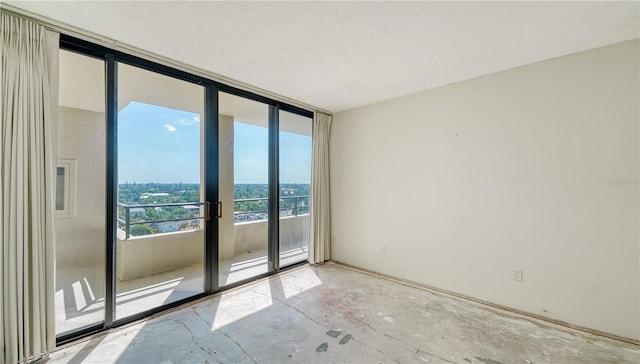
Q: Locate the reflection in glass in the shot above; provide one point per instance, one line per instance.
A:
(80, 229)
(60, 189)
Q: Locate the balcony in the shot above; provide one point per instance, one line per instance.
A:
(160, 267)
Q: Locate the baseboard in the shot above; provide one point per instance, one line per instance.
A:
(487, 303)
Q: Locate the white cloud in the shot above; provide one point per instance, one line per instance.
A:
(169, 127)
(194, 121)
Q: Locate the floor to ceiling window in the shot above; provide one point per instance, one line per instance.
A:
(160, 185)
(295, 186)
(170, 187)
(243, 171)
(80, 194)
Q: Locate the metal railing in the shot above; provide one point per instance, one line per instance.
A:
(244, 211)
(128, 223)
(293, 205)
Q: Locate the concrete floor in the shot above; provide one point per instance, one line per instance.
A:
(79, 297)
(330, 313)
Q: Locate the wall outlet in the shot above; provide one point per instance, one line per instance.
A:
(516, 274)
(383, 249)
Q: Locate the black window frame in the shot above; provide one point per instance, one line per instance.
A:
(212, 88)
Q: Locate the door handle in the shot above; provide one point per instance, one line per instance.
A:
(219, 216)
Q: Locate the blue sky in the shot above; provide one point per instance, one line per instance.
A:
(157, 144)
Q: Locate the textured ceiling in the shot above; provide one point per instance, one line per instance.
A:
(340, 55)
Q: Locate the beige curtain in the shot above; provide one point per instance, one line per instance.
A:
(320, 241)
(28, 107)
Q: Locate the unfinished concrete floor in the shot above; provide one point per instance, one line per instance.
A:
(330, 313)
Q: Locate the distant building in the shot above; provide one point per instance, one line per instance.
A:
(158, 194)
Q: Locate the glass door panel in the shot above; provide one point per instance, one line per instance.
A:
(243, 188)
(295, 187)
(80, 194)
(160, 235)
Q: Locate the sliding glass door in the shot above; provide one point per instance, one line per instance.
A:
(160, 186)
(170, 186)
(80, 194)
(243, 137)
(294, 141)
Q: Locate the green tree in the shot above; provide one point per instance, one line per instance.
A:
(140, 230)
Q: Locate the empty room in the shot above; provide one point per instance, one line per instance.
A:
(320, 182)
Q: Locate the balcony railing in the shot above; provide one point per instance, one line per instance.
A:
(136, 215)
(255, 209)
(189, 213)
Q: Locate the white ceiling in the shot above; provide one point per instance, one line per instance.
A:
(340, 55)
(82, 86)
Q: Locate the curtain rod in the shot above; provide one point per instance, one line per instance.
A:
(60, 27)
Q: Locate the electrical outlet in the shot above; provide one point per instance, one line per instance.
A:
(383, 249)
(516, 274)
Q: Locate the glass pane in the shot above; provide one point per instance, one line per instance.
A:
(295, 187)
(243, 188)
(160, 245)
(80, 194)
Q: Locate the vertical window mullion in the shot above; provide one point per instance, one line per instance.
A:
(111, 186)
(212, 197)
(274, 188)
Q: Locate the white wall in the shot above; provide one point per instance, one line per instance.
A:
(157, 253)
(80, 240)
(253, 235)
(226, 187)
(534, 168)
